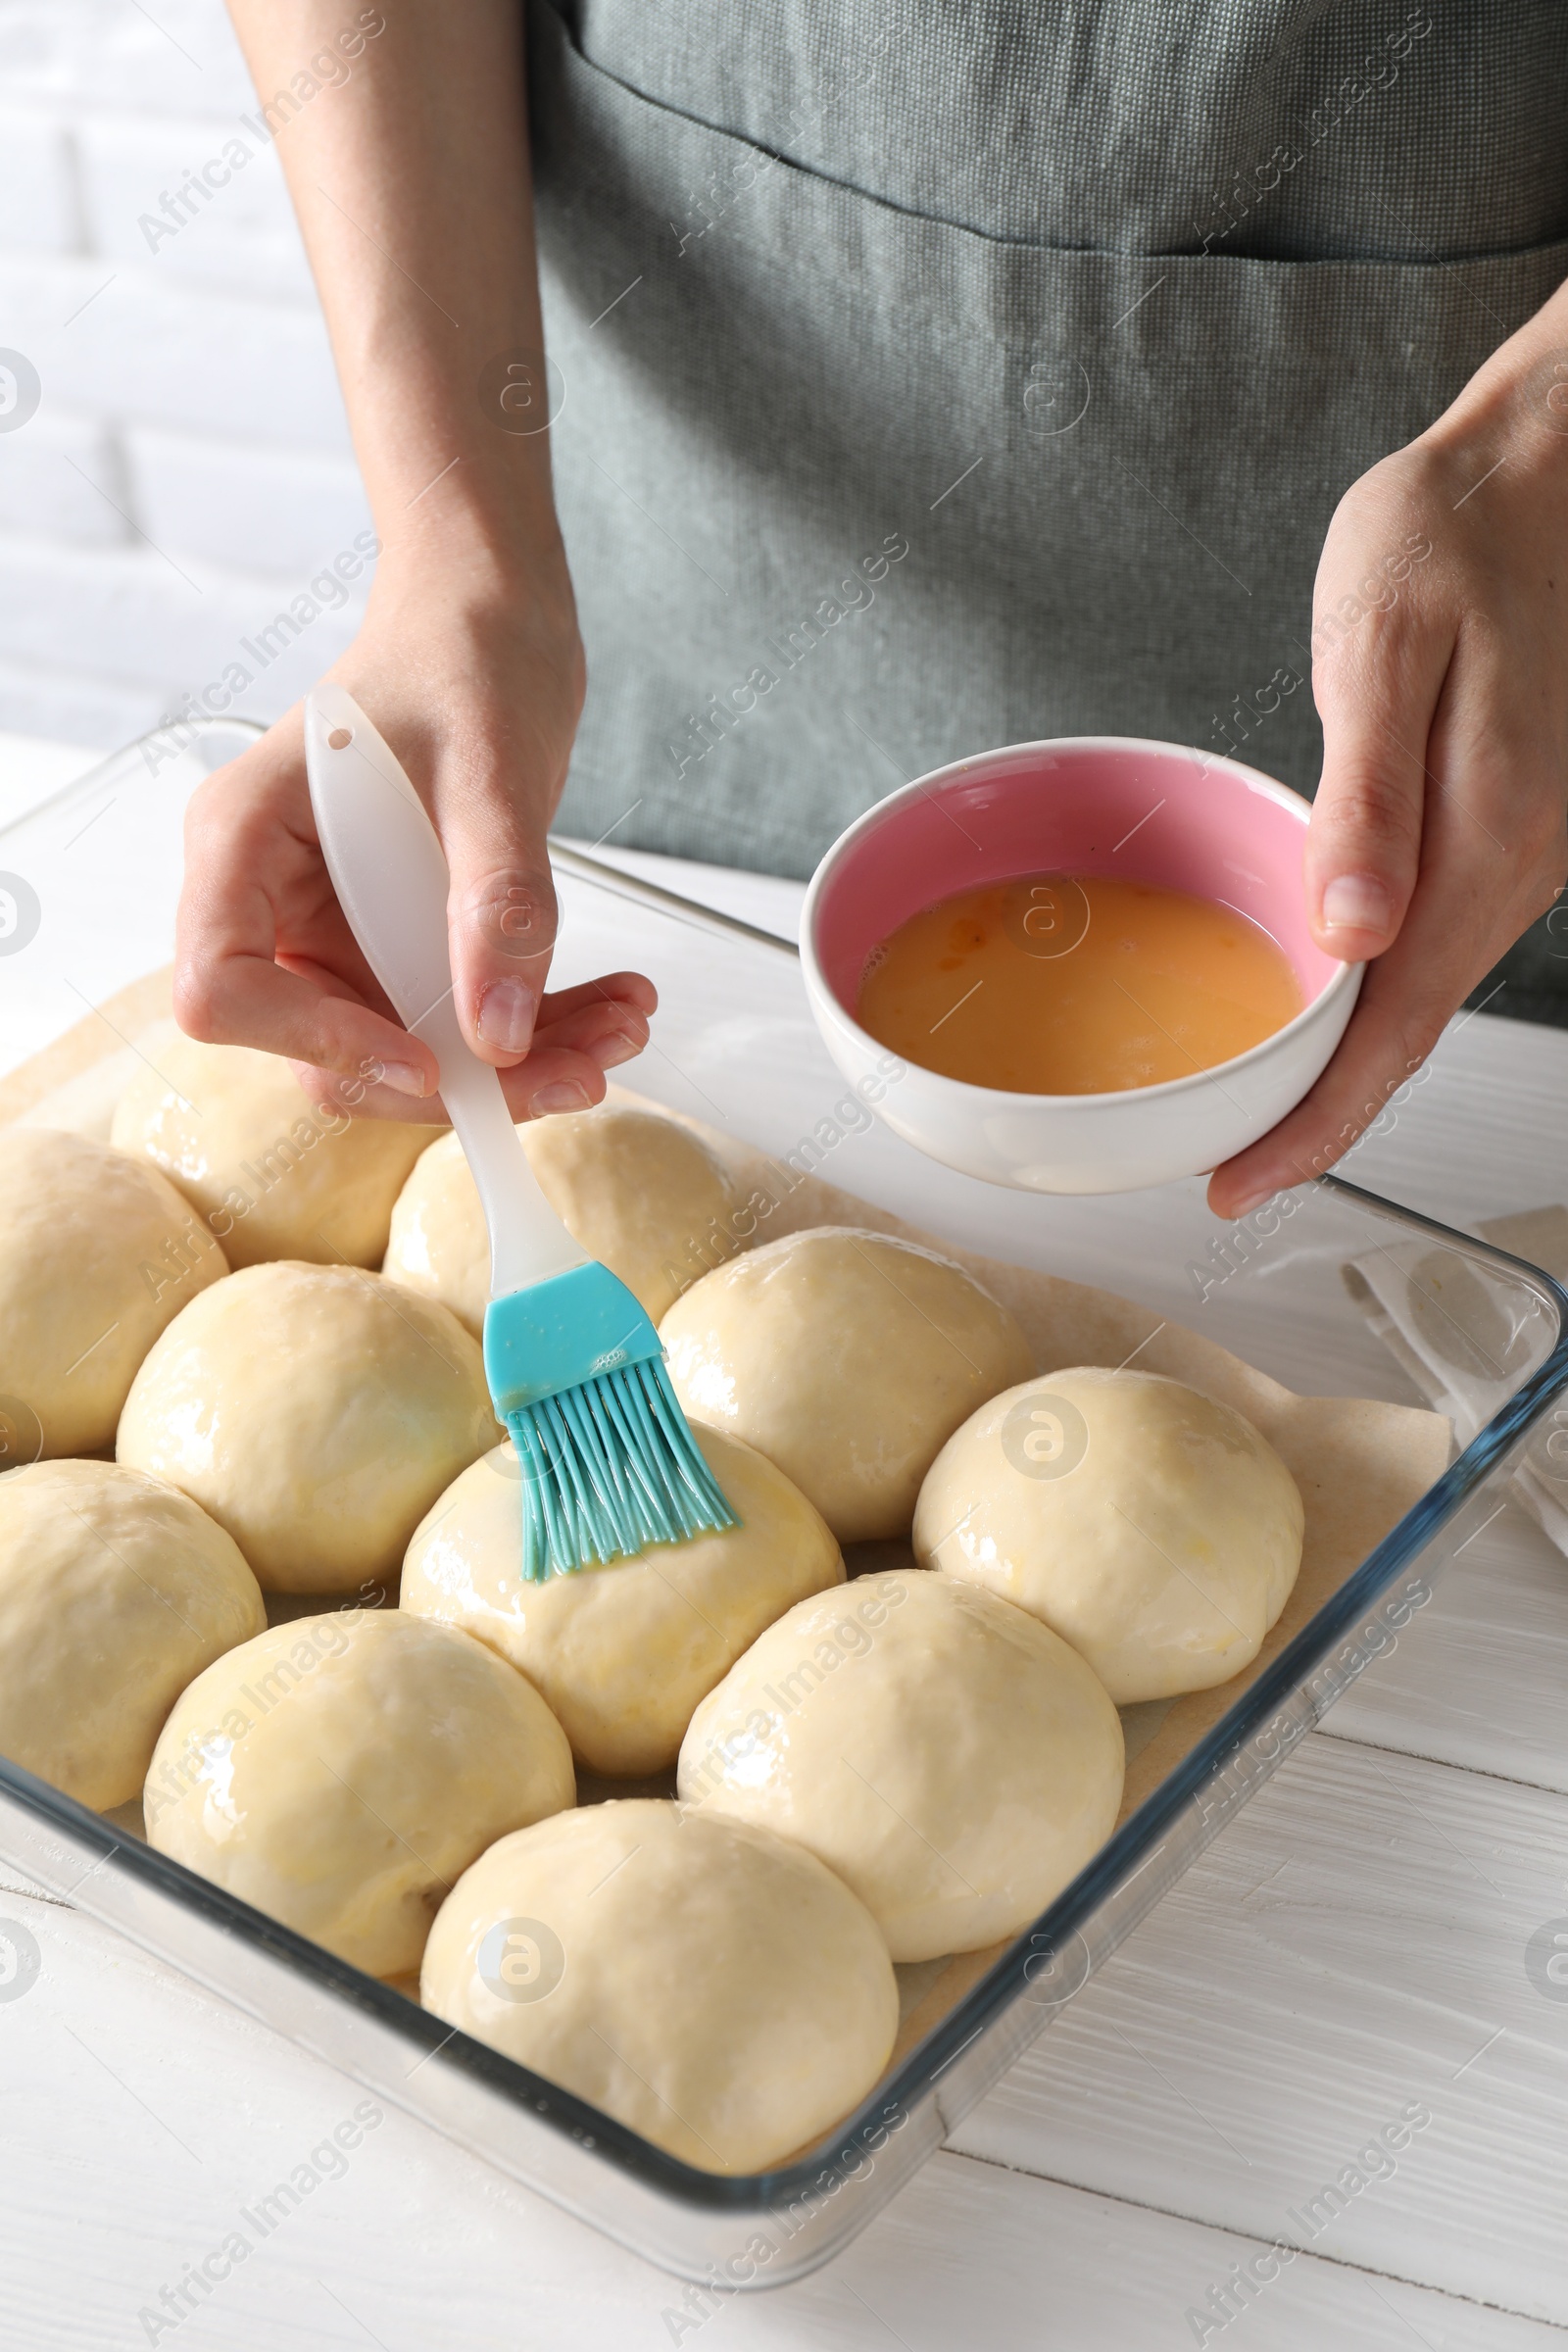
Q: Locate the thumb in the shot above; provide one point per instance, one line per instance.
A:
(502, 921)
(1363, 845)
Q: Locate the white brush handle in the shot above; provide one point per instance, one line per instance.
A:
(392, 883)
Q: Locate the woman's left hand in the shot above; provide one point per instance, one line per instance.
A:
(1440, 673)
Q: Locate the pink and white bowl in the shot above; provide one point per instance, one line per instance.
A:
(1084, 805)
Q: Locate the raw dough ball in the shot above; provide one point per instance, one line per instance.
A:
(116, 1592)
(846, 1358)
(97, 1253)
(273, 1173)
(641, 1193)
(316, 1412)
(622, 1653)
(709, 1986)
(340, 1772)
(950, 1758)
(1149, 1526)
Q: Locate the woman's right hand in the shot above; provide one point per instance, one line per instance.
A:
(410, 175)
(477, 689)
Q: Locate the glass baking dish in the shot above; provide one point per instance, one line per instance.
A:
(734, 1043)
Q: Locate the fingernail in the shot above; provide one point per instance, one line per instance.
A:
(564, 1094)
(404, 1077)
(1356, 902)
(612, 1051)
(1245, 1206)
(507, 1010)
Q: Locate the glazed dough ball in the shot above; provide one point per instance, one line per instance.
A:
(622, 1653)
(273, 1173)
(316, 1412)
(115, 1593)
(340, 1772)
(641, 1193)
(709, 1986)
(1149, 1526)
(849, 1359)
(952, 1759)
(97, 1253)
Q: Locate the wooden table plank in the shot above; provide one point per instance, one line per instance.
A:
(1480, 1676)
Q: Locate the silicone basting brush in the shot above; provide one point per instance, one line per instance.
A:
(575, 1367)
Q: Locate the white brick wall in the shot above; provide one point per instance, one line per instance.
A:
(187, 471)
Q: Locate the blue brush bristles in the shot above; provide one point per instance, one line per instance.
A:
(609, 1468)
(608, 1463)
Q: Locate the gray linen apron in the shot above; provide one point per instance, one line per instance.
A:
(941, 373)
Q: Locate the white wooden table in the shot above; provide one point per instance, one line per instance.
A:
(1351, 1947)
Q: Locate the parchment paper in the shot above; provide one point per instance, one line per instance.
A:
(1359, 1463)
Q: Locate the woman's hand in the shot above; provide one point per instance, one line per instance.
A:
(410, 181)
(478, 693)
(1440, 673)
